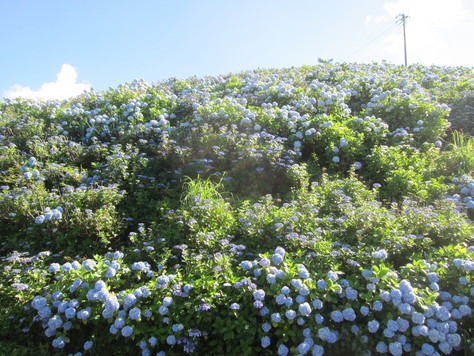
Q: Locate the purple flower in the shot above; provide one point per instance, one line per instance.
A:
(235, 306)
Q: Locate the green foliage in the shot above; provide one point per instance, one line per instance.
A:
(242, 214)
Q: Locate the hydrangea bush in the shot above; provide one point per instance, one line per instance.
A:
(321, 210)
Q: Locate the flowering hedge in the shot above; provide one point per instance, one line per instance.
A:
(317, 210)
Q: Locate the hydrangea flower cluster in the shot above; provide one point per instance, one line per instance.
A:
(295, 211)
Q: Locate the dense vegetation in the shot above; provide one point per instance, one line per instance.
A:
(317, 210)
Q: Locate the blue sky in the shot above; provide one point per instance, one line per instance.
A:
(55, 48)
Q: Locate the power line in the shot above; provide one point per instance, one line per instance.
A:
(372, 39)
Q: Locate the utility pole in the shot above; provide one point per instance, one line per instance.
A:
(402, 18)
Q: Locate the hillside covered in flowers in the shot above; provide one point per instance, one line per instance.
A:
(321, 210)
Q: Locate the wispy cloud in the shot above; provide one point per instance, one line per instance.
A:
(435, 32)
(65, 86)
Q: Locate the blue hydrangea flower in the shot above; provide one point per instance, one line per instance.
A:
(283, 350)
(445, 348)
(303, 272)
(266, 327)
(259, 294)
(119, 323)
(405, 308)
(317, 304)
(276, 317)
(264, 311)
(373, 326)
(111, 272)
(127, 331)
(324, 333)
(59, 343)
(54, 268)
(351, 293)
(134, 313)
(70, 313)
(453, 339)
(304, 309)
(427, 349)
(388, 333)
(113, 330)
(392, 325)
(171, 340)
(443, 313)
(277, 259)
(84, 314)
(167, 301)
(380, 254)
(290, 314)
(418, 318)
(355, 329)
(442, 327)
(319, 318)
(337, 316)
(364, 310)
(297, 283)
(265, 342)
(332, 276)
(55, 322)
(304, 348)
(395, 348)
(322, 284)
(349, 314)
(385, 296)
(88, 345)
(153, 341)
(377, 306)
(177, 327)
(433, 277)
(381, 347)
(129, 301)
(317, 350)
(246, 265)
(280, 299)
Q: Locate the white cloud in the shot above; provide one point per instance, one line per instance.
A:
(437, 32)
(65, 86)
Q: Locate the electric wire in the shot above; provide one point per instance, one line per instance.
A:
(371, 40)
